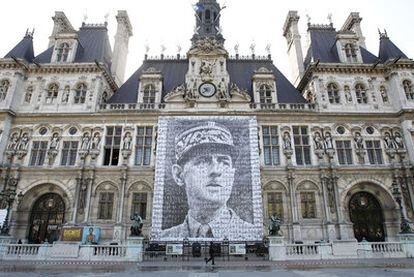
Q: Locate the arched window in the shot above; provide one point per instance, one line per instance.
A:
(28, 95)
(265, 93)
(80, 93)
(361, 94)
(333, 94)
(384, 94)
(4, 87)
(63, 52)
(52, 93)
(350, 53)
(408, 89)
(149, 94)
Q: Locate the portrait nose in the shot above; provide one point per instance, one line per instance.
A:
(215, 170)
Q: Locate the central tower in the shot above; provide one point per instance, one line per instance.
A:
(207, 21)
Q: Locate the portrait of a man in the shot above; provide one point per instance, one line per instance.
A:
(207, 191)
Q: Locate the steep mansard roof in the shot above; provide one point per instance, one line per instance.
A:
(93, 46)
(240, 71)
(388, 50)
(23, 50)
(323, 47)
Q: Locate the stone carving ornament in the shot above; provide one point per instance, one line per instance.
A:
(127, 141)
(287, 142)
(54, 142)
(14, 142)
(96, 140)
(359, 141)
(85, 142)
(318, 141)
(328, 141)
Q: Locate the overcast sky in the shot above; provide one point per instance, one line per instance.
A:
(171, 22)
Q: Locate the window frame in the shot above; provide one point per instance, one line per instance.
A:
(344, 153)
(71, 153)
(278, 204)
(265, 94)
(4, 89)
(303, 149)
(106, 205)
(112, 150)
(304, 205)
(52, 93)
(137, 204)
(62, 53)
(149, 95)
(273, 148)
(38, 152)
(333, 94)
(374, 151)
(361, 94)
(144, 146)
(80, 93)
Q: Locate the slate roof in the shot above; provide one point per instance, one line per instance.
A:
(93, 45)
(388, 50)
(174, 71)
(23, 50)
(323, 48)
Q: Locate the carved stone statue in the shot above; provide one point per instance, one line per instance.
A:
(399, 142)
(328, 141)
(23, 142)
(287, 142)
(136, 228)
(13, 143)
(127, 141)
(274, 225)
(96, 140)
(85, 142)
(54, 142)
(389, 143)
(206, 68)
(318, 141)
(359, 141)
(222, 92)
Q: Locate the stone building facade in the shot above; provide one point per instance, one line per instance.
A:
(79, 148)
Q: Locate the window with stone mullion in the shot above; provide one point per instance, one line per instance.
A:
(139, 204)
(149, 94)
(112, 145)
(374, 151)
(38, 154)
(275, 203)
(106, 203)
(361, 94)
(344, 152)
(308, 204)
(302, 147)
(69, 153)
(271, 145)
(265, 93)
(143, 146)
(333, 94)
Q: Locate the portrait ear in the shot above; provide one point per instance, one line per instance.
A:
(177, 172)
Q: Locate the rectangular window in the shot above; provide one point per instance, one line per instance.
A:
(112, 145)
(139, 204)
(308, 204)
(271, 145)
(361, 97)
(275, 203)
(106, 204)
(302, 147)
(143, 146)
(374, 151)
(69, 153)
(344, 151)
(38, 156)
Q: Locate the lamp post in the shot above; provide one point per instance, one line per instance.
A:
(8, 196)
(404, 226)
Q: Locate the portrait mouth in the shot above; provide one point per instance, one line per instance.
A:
(214, 185)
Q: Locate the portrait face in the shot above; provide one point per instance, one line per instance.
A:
(208, 179)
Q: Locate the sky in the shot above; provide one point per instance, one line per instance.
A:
(171, 23)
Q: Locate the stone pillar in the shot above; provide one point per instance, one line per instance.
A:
(135, 249)
(90, 183)
(277, 248)
(122, 195)
(76, 202)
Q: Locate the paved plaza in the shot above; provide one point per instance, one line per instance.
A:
(346, 268)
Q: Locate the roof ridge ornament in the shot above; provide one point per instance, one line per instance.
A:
(382, 35)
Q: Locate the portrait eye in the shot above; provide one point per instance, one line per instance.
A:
(225, 160)
(202, 160)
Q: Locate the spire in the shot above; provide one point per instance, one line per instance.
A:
(24, 49)
(388, 50)
(207, 13)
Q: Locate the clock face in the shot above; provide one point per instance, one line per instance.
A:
(207, 89)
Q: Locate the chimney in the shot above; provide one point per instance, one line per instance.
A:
(293, 39)
(61, 25)
(119, 55)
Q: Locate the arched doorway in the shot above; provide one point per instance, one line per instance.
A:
(366, 215)
(46, 218)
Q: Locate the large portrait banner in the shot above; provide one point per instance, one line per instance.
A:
(207, 179)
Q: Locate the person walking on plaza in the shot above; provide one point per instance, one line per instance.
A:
(212, 253)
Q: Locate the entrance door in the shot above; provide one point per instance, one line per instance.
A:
(46, 218)
(366, 215)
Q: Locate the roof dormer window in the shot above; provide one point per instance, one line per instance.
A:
(63, 52)
(80, 93)
(333, 94)
(361, 94)
(351, 53)
(149, 94)
(265, 92)
(52, 93)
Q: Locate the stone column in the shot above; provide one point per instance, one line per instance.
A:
(122, 195)
(90, 183)
(76, 202)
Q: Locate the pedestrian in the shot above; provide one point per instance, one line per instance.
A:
(212, 253)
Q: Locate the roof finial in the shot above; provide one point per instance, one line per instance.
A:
(308, 18)
(236, 48)
(85, 16)
(106, 17)
(330, 18)
(382, 35)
